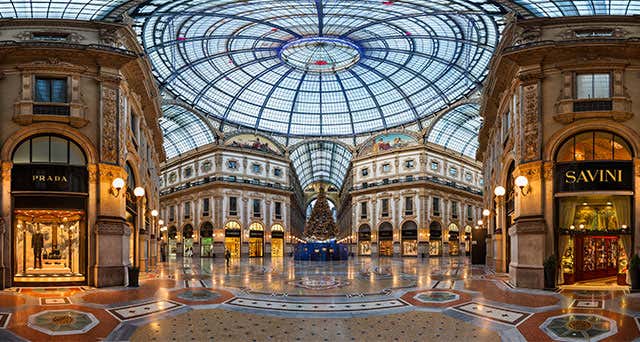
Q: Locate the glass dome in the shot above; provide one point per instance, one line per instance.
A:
(319, 68)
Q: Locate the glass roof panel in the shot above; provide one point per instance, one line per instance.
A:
(319, 68)
(321, 161)
(58, 9)
(560, 8)
(183, 130)
(457, 129)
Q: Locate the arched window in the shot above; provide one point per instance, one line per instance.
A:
(594, 145)
(232, 225)
(277, 228)
(49, 149)
(206, 230)
(173, 233)
(256, 226)
(187, 231)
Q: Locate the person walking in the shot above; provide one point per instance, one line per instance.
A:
(227, 256)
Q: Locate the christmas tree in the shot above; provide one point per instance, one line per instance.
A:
(321, 225)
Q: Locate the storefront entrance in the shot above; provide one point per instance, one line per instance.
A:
(385, 235)
(364, 240)
(256, 240)
(435, 239)
(454, 240)
(409, 239)
(187, 235)
(206, 240)
(49, 188)
(173, 243)
(232, 235)
(277, 240)
(593, 187)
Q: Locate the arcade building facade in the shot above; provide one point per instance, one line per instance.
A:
(560, 149)
(80, 147)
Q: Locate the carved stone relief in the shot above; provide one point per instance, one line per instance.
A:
(531, 124)
(109, 146)
(527, 35)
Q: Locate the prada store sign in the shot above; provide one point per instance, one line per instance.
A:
(61, 178)
(594, 176)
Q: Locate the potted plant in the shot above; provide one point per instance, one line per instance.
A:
(634, 272)
(550, 267)
(134, 274)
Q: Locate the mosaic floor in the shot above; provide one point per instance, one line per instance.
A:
(363, 299)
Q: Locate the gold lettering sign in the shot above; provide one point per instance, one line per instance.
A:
(49, 179)
(593, 175)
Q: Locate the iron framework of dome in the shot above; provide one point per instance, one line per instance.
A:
(183, 130)
(457, 129)
(319, 68)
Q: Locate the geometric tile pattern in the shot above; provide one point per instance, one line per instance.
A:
(62, 322)
(145, 309)
(54, 301)
(4, 319)
(317, 307)
(493, 313)
(587, 304)
(579, 327)
(200, 295)
(436, 297)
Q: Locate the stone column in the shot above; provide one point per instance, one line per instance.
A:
(5, 225)
(498, 239)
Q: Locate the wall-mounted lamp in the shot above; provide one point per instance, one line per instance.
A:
(499, 191)
(523, 184)
(116, 186)
(486, 212)
(480, 222)
(154, 213)
(138, 192)
(160, 222)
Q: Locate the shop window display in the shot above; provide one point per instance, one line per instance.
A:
(364, 240)
(232, 238)
(277, 240)
(256, 240)
(47, 245)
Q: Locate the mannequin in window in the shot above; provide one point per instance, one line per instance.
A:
(37, 243)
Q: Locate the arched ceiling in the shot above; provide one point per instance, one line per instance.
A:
(457, 129)
(321, 161)
(183, 130)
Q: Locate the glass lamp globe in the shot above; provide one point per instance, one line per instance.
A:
(499, 191)
(138, 191)
(480, 222)
(521, 181)
(486, 212)
(154, 213)
(118, 183)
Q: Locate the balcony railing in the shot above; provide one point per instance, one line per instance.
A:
(231, 179)
(411, 179)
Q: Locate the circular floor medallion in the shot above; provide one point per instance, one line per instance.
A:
(321, 282)
(198, 295)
